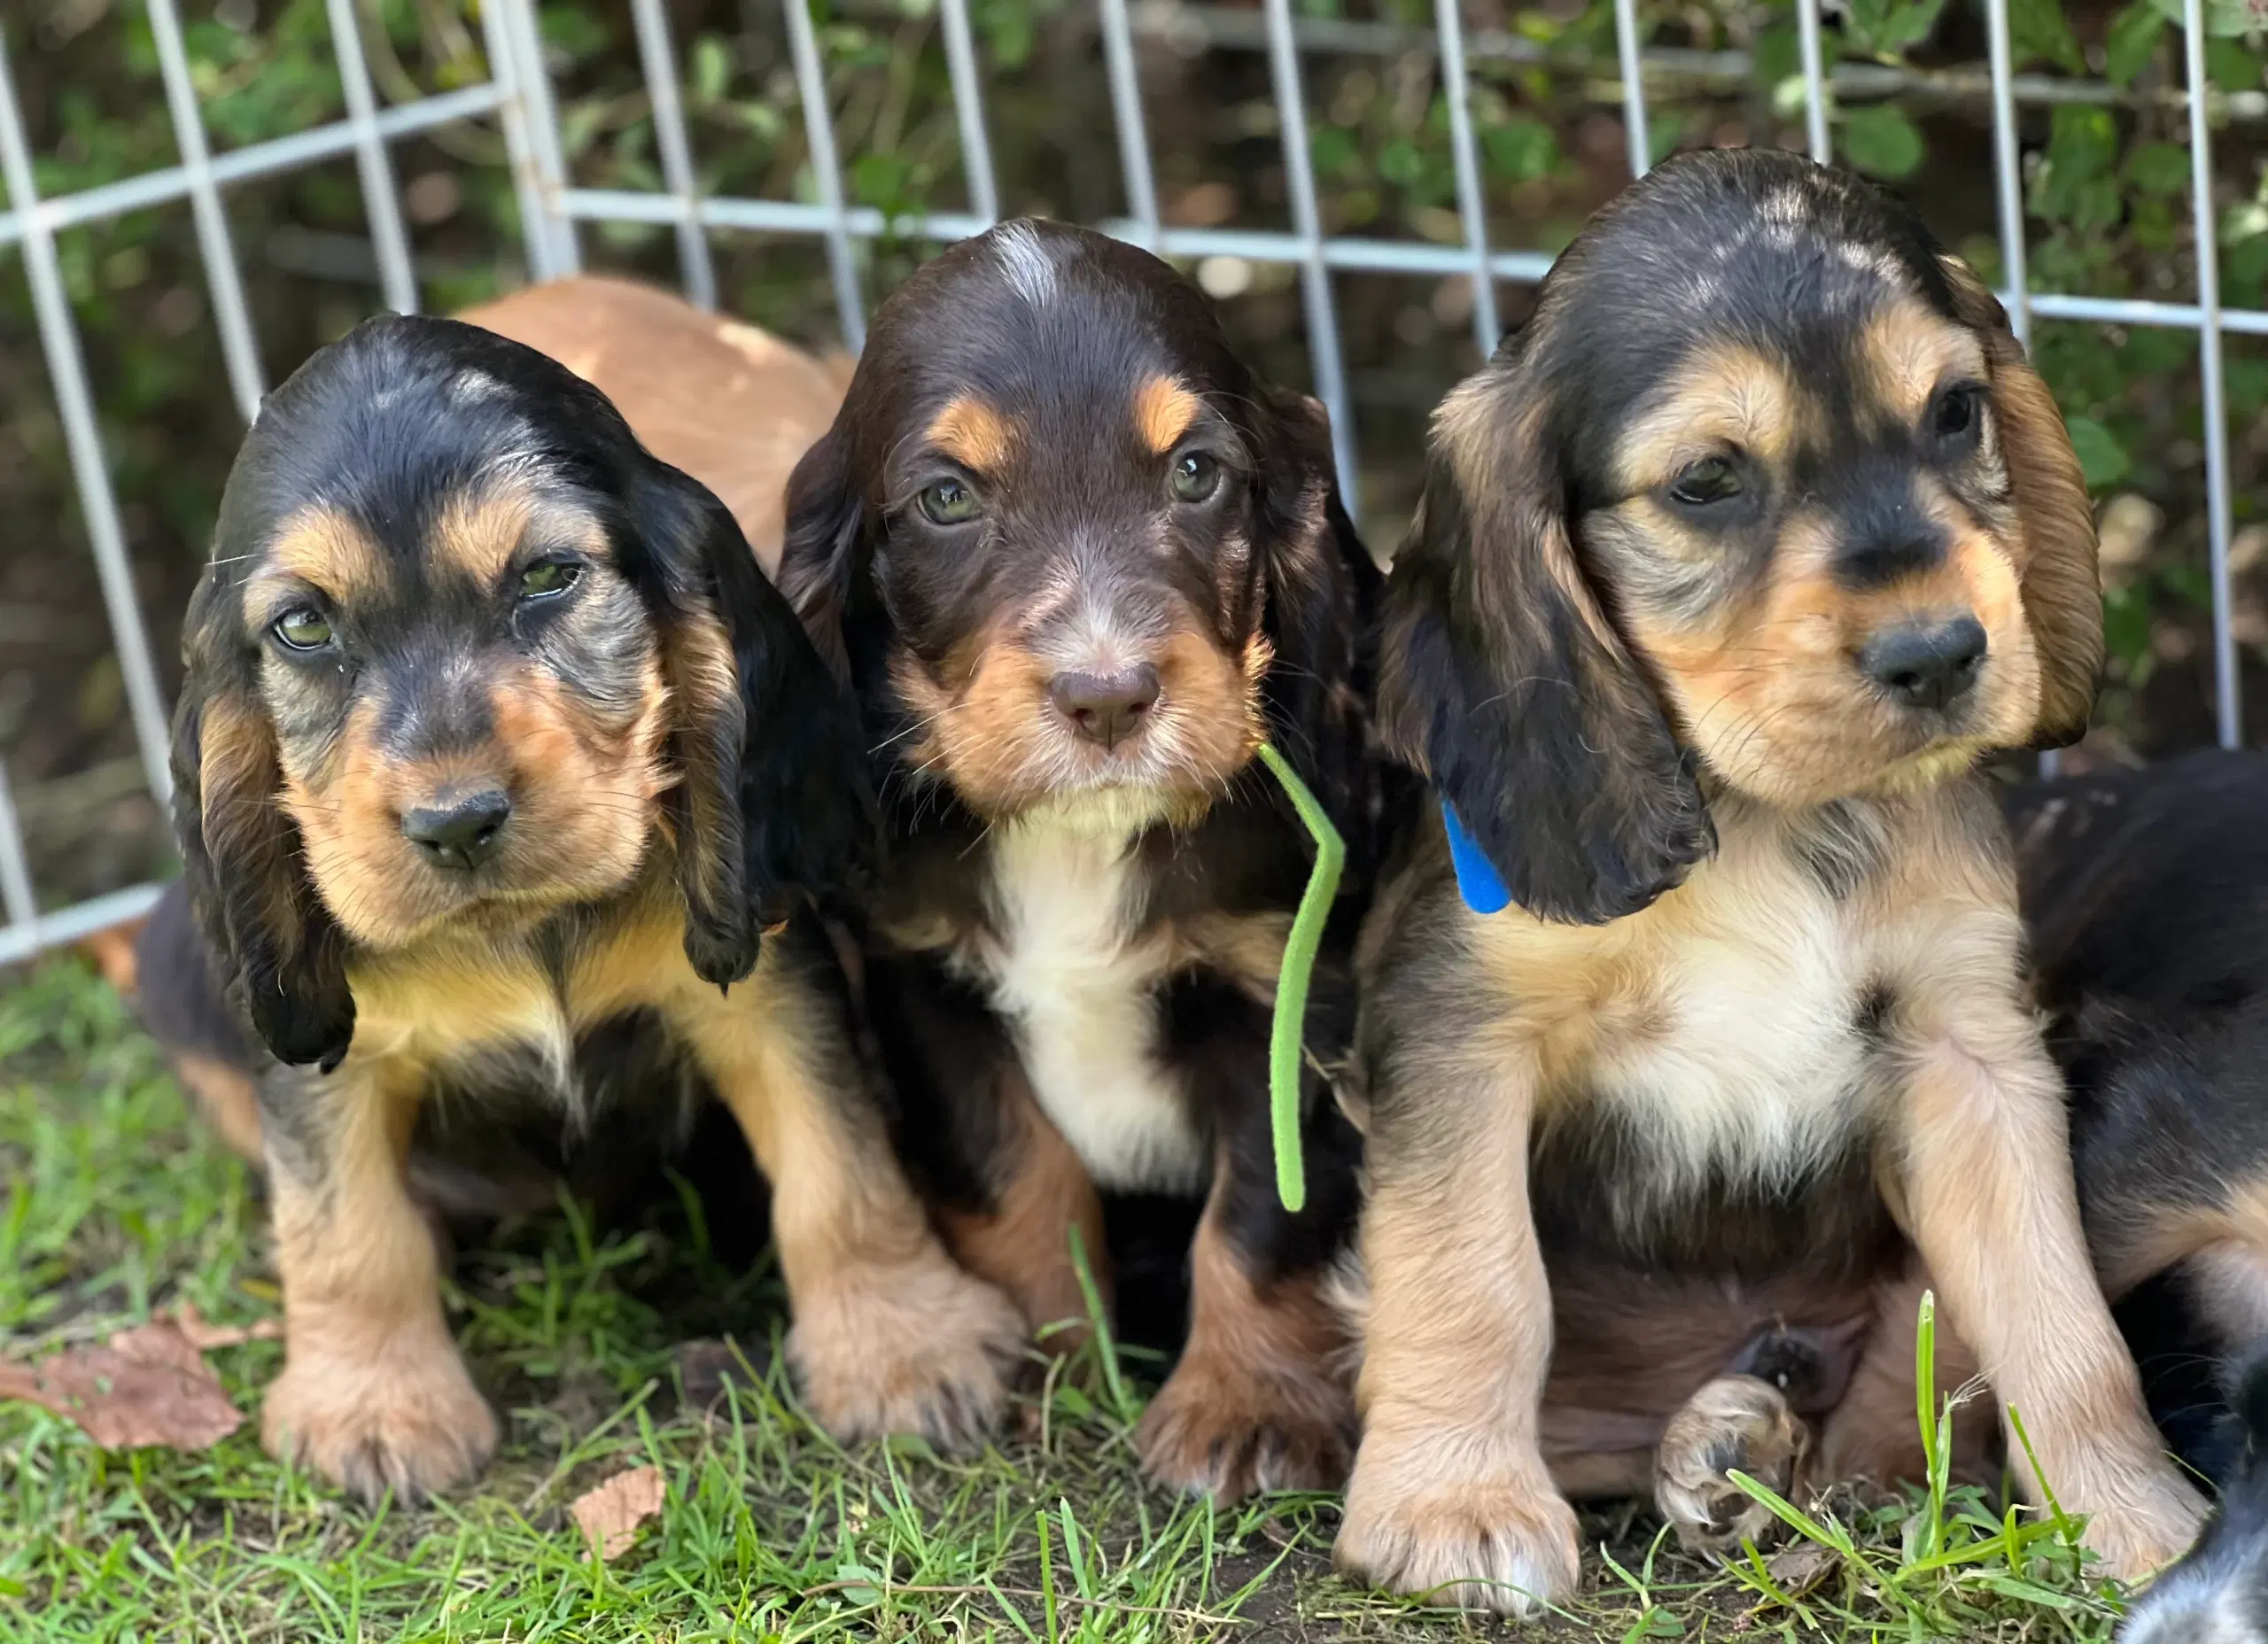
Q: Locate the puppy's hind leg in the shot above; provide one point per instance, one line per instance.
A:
(1736, 1424)
(373, 1393)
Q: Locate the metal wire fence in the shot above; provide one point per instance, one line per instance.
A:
(518, 96)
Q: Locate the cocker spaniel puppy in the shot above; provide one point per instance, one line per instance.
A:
(496, 757)
(1728, 568)
(1077, 561)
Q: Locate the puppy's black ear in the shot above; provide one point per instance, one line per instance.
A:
(1321, 591)
(2060, 583)
(818, 562)
(275, 944)
(1502, 677)
(767, 798)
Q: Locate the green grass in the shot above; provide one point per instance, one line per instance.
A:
(116, 1206)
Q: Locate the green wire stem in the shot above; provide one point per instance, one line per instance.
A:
(1287, 1033)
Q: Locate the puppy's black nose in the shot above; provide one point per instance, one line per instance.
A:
(1926, 664)
(1107, 708)
(459, 833)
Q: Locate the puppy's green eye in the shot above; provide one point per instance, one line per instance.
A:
(1195, 476)
(303, 628)
(546, 578)
(949, 502)
(1712, 479)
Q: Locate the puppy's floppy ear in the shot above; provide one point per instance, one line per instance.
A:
(1320, 588)
(818, 562)
(1503, 678)
(767, 797)
(274, 941)
(2057, 571)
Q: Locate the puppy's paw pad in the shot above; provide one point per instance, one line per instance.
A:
(1230, 1436)
(416, 1427)
(1737, 1423)
(925, 1350)
(1504, 1543)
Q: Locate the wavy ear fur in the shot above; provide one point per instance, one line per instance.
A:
(275, 945)
(1321, 588)
(1504, 680)
(2058, 575)
(818, 562)
(768, 799)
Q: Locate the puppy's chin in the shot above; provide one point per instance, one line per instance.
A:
(1111, 811)
(406, 904)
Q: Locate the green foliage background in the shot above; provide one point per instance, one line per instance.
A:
(2106, 193)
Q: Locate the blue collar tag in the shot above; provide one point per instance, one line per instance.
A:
(1475, 876)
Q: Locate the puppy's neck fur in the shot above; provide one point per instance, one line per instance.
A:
(1072, 964)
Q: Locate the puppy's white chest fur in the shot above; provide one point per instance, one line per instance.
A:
(1753, 1064)
(1079, 992)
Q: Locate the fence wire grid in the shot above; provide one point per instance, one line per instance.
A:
(518, 96)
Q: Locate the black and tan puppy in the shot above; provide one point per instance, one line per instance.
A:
(496, 754)
(1727, 569)
(1079, 562)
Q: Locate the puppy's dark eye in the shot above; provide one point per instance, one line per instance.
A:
(1711, 479)
(949, 502)
(1955, 415)
(302, 629)
(1196, 477)
(547, 578)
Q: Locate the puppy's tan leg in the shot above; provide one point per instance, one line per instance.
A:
(1985, 1173)
(373, 1392)
(1259, 1401)
(889, 1336)
(1023, 1243)
(1737, 1423)
(1450, 1496)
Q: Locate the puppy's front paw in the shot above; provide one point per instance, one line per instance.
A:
(2144, 1527)
(922, 1348)
(1418, 1521)
(1737, 1423)
(1227, 1430)
(409, 1421)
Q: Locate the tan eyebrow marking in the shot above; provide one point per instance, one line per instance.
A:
(1722, 394)
(972, 434)
(321, 546)
(1163, 410)
(1909, 349)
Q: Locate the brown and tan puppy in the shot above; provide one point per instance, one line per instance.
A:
(505, 782)
(731, 405)
(1727, 570)
(1077, 561)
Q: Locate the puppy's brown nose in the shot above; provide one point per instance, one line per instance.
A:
(459, 831)
(1926, 664)
(1106, 708)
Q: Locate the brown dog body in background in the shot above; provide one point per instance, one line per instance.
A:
(496, 754)
(1726, 572)
(731, 405)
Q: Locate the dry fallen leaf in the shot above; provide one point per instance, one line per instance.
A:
(148, 1385)
(202, 1334)
(610, 1513)
(1797, 1569)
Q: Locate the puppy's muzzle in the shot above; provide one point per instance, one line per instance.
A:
(1929, 664)
(1106, 708)
(458, 830)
